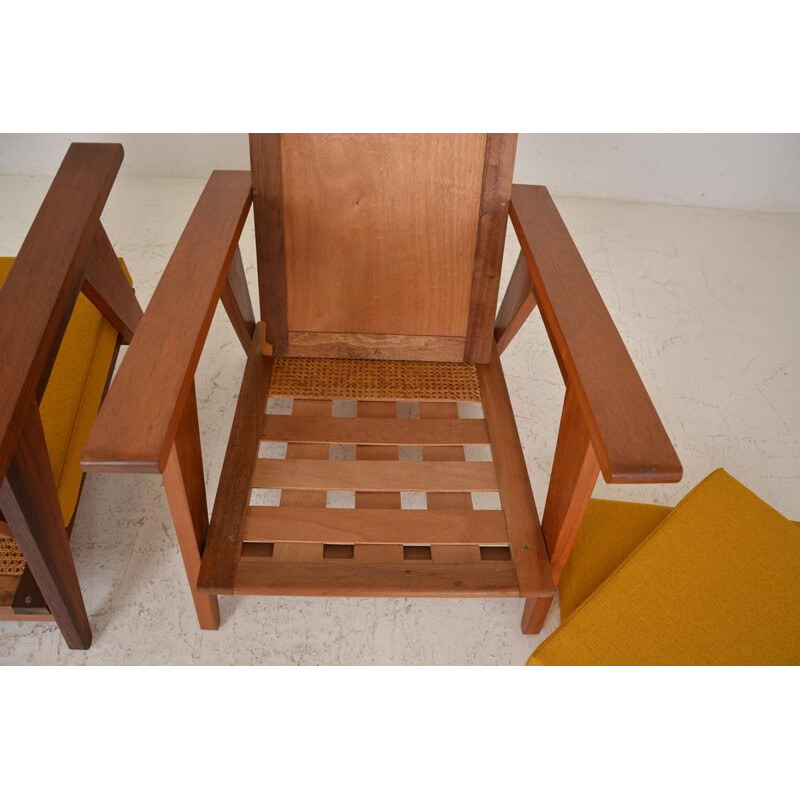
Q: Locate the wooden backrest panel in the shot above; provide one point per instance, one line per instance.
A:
(370, 245)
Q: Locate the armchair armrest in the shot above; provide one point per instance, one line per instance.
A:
(626, 433)
(45, 280)
(137, 423)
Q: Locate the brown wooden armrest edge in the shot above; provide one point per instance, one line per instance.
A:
(626, 432)
(138, 420)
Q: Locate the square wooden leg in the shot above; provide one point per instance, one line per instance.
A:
(30, 505)
(572, 480)
(184, 481)
(534, 614)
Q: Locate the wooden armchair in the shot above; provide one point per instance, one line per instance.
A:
(379, 261)
(66, 304)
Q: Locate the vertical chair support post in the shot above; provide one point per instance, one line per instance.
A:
(184, 482)
(574, 474)
(148, 422)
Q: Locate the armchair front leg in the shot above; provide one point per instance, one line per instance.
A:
(609, 423)
(30, 505)
(148, 422)
(572, 481)
(184, 483)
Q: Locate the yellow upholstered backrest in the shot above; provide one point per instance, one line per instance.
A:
(74, 391)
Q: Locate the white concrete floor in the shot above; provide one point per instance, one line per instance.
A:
(707, 302)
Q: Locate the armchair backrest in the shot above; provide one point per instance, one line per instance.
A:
(381, 245)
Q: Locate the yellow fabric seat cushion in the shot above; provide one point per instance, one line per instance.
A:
(609, 533)
(74, 392)
(716, 582)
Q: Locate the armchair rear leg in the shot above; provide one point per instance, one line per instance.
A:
(30, 505)
(184, 482)
(572, 480)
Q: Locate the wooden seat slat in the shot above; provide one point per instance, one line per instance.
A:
(374, 526)
(381, 476)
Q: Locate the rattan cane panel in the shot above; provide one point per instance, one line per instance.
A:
(358, 379)
(12, 562)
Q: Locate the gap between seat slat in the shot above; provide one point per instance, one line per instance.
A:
(381, 412)
(300, 550)
(442, 414)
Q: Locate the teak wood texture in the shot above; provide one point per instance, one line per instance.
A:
(65, 251)
(386, 248)
(28, 598)
(184, 484)
(381, 245)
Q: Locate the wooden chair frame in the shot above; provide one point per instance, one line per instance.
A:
(608, 424)
(65, 252)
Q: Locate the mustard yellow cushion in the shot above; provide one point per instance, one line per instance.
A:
(609, 533)
(74, 391)
(717, 582)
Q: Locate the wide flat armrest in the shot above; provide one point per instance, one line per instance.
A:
(138, 419)
(627, 435)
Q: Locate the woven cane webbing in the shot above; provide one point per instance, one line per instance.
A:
(12, 562)
(357, 379)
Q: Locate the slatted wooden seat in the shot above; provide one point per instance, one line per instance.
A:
(379, 263)
(377, 547)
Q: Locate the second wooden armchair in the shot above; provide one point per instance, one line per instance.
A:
(379, 262)
(66, 305)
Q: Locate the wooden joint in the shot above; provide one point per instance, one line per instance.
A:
(266, 348)
(518, 302)
(236, 299)
(106, 286)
